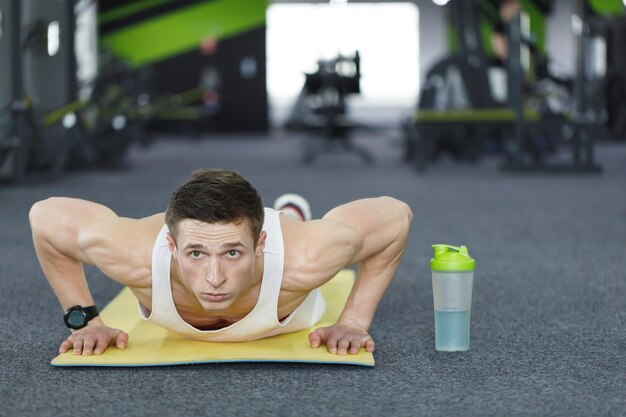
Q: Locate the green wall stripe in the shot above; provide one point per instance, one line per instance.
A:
(161, 37)
(128, 10)
(608, 7)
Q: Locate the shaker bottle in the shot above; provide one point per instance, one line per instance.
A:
(452, 275)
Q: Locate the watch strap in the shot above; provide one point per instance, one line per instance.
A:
(91, 312)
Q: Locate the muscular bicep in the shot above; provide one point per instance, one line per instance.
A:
(354, 233)
(96, 241)
(379, 222)
(332, 245)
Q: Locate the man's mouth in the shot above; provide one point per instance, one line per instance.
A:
(215, 297)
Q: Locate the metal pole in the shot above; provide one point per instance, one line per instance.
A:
(515, 89)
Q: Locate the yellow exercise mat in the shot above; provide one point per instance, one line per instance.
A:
(151, 345)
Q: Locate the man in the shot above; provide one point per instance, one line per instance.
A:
(218, 266)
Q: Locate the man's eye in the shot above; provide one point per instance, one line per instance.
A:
(233, 253)
(195, 254)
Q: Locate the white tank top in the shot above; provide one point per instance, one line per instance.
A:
(261, 322)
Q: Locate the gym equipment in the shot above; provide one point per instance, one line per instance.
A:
(321, 107)
(151, 345)
(114, 100)
(616, 75)
(40, 66)
(601, 67)
(456, 95)
(49, 83)
(12, 163)
(57, 110)
(114, 116)
(458, 111)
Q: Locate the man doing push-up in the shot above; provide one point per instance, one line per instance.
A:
(217, 266)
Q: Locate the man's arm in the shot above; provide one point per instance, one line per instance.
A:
(373, 234)
(63, 241)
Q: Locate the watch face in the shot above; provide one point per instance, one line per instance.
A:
(76, 318)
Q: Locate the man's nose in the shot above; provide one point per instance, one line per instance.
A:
(215, 276)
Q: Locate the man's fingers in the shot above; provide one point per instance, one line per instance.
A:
(88, 345)
(65, 346)
(101, 346)
(342, 346)
(94, 342)
(121, 340)
(317, 337)
(341, 343)
(355, 346)
(314, 339)
(78, 346)
(331, 343)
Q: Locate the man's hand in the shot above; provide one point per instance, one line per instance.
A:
(341, 338)
(94, 339)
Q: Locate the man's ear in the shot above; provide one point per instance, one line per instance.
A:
(171, 244)
(260, 245)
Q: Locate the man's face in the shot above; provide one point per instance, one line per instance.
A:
(216, 260)
(509, 9)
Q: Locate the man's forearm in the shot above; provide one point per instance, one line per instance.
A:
(382, 226)
(372, 280)
(64, 274)
(55, 225)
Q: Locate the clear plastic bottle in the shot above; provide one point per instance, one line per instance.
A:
(452, 278)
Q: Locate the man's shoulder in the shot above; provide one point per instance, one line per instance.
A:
(136, 235)
(122, 248)
(151, 225)
(306, 249)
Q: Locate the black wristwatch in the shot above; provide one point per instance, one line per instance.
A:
(77, 317)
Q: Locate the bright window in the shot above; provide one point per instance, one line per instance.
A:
(385, 34)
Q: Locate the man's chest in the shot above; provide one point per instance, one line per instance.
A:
(189, 310)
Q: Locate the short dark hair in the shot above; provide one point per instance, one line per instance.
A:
(216, 196)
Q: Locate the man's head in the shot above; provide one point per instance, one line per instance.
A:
(509, 9)
(215, 221)
(216, 196)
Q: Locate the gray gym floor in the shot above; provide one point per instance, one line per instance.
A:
(548, 334)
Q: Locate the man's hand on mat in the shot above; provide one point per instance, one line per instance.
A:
(341, 338)
(94, 339)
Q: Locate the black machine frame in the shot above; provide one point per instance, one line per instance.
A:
(12, 163)
(321, 108)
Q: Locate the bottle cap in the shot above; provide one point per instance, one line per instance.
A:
(451, 258)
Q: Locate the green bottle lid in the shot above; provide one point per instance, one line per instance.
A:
(451, 258)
